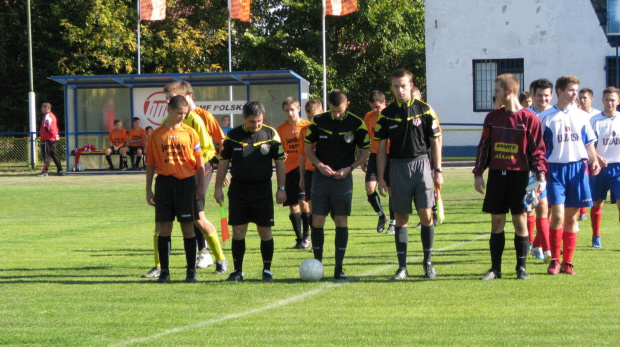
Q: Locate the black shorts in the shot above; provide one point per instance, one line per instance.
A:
(331, 195)
(308, 184)
(292, 188)
(505, 191)
(174, 198)
(118, 151)
(134, 149)
(372, 174)
(250, 202)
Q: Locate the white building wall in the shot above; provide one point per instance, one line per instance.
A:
(554, 37)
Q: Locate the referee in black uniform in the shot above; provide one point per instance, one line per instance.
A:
(251, 149)
(413, 130)
(330, 144)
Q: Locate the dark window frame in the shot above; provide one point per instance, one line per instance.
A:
(484, 73)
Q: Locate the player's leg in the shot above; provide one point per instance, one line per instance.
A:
(46, 158)
(521, 242)
(341, 240)
(306, 217)
(123, 154)
(54, 157)
(136, 164)
(569, 239)
(292, 201)
(189, 244)
(203, 228)
(238, 252)
(340, 195)
(163, 249)
(155, 270)
(400, 200)
(596, 212)
(239, 206)
(304, 207)
(266, 251)
(184, 196)
(424, 199)
(108, 157)
(371, 191)
(320, 209)
(599, 185)
(542, 228)
(497, 243)
(164, 217)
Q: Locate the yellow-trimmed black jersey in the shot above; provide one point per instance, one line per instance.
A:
(409, 127)
(252, 153)
(336, 139)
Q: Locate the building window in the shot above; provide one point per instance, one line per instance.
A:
(485, 73)
(612, 68)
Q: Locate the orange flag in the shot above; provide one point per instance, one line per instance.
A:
(340, 7)
(152, 9)
(240, 9)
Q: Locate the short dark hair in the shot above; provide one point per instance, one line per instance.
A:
(374, 96)
(225, 116)
(587, 91)
(177, 101)
(135, 119)
(523, 97)
(148, 128)
(116, 121)
(313, 105)
(541, 83)
(563, 81)
(402, 73)
(337, 97)
(611, 90)
(290, 101)
(253, 108)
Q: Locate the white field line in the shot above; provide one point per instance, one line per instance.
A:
(280, 303)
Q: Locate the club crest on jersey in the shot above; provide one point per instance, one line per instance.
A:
(348, 137)
(567, 128)
(416, 121)
(265, 148)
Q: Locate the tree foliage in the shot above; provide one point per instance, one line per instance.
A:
(94, 37)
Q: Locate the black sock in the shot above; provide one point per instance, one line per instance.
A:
(496, 244)
(266, 251)
(392, 221)
(108, 158)
(238, 252)
(521, 244)
(375, 202)
(318, 239)
(123, 162)
(200, 238)
(427, 233)
(296, 221)
(190, 252)
(305, 223)
(340, 241)
(401, 237)
(163, 247)
(138, 162)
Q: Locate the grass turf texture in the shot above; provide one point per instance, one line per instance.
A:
(73, 248)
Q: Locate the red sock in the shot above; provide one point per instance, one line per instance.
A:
(542, 233)
(555, 241)
(583, 210)
(595, 220)
(531, 221)
(570, 240)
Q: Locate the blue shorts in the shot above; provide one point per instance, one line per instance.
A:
(607, 180)
(568, 185)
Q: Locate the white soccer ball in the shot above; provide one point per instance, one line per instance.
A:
(80, 167)
(311, 270)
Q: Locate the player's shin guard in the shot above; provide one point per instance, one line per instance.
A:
(595, 220)
(238, 252)
(521, 243)
(123, 163)
(401, 238)
(214, 244)
(296, 222)
(570, 241)
(340, 241)
(318, 240)
(427, 234)
(190, 252)
(108, 158)
(305, 223)
(200, 239)
(531, 222)
(497, 242)
(555, 242)
(266, 251)
(375, 202)
(542, 233)
(163, 246)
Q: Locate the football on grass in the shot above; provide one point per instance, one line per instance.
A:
(81, 167)
(311, 270)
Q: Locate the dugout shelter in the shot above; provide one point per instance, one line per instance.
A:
(92, 103)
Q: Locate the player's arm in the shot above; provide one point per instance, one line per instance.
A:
(311, 154)
(281, 179)
(200, 171)
(595, 168)
(222, 170)
(150, 173)
(381, 162)
(436, 143)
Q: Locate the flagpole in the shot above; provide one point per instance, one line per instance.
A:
(324, 62)
(31, 97)
(139, 18)
(230, 88)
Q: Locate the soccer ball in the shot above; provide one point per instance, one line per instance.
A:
(311, 270)
(80, 166)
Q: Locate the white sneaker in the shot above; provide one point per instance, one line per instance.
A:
(204, 259)
(547, 257)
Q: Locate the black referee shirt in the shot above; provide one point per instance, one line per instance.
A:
(251, 154)
(409, 127)
(336, 139)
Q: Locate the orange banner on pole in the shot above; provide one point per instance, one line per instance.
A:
(152, 9)
(240, 9)
(340, 7)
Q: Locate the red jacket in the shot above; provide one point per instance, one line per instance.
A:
(511, 141)
(49, 127)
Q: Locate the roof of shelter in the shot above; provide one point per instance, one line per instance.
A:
(196, 79)
(600, 8)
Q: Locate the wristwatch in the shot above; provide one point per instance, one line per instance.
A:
(440, 170)
(281, 188)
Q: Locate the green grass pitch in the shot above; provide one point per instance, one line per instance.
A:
(72, 250)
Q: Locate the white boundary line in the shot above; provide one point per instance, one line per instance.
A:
(284, 302)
